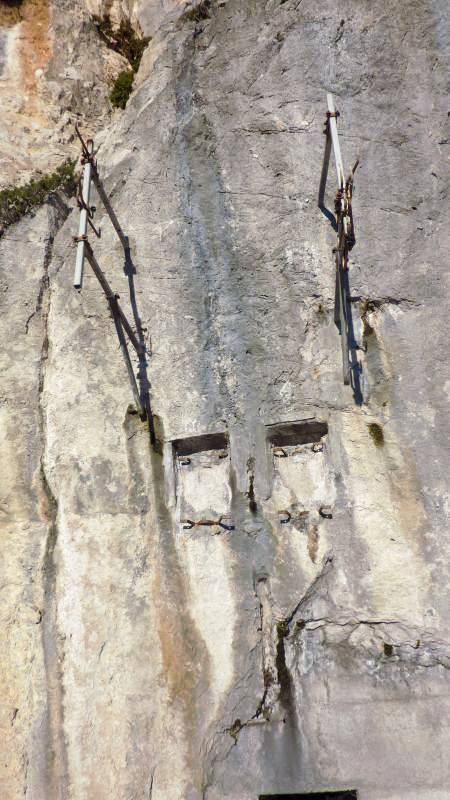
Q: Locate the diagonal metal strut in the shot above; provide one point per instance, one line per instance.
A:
(121, 324)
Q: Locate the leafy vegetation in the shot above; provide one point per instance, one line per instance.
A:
(199, 12)
(10, 12)
(122, 88)
(376, 432)
(16, 201)
(123, 40)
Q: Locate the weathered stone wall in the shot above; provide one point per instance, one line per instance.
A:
(302, 644)
(54, 69)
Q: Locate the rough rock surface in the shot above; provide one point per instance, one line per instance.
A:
(302, 645)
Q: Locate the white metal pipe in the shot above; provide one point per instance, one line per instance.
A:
(335, 139)
(82, 229)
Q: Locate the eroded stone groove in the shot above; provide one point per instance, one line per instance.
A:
(55, 778)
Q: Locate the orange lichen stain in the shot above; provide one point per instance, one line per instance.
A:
(185, 660)
(180, 645)
(313, 542)
(33, 48)
(27, 46)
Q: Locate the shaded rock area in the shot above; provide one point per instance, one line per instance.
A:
(258, 604)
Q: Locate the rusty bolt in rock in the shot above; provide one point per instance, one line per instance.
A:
(325, 512)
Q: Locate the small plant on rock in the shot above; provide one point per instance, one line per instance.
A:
(123, 40)
(199, 12)
(16, 201)
(122, 88)
(376, 432)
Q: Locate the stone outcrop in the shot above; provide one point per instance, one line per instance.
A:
(258, 604)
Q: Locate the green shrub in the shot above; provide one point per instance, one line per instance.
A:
(199, 12)
(123, 40)
(15, 201)
(376, 432)
(122, 88)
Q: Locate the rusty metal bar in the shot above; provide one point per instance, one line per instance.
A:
(88, 157)
(111, 213)
(110, 295)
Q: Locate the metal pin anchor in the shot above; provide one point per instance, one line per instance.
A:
(188, 524)
(279, 452)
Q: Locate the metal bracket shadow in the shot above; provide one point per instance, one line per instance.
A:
(144, 383)
(354, 365)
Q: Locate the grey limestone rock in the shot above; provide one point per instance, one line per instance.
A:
(258, 604)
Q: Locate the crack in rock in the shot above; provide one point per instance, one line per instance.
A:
(57, 766)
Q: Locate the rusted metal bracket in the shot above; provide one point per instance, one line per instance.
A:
(98, 232)
(81, 203)
(326, 512)
(188, 524)
(279, 452)
(87, 147)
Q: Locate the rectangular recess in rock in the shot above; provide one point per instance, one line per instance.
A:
(305, 431)
(303, 490)
(344, 795)
(199, 444)
(202, 478)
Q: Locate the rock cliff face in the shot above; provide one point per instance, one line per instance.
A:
(298, 642)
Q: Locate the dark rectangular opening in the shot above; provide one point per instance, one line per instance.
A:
(347, 794)
(306, 431)
(197, 444)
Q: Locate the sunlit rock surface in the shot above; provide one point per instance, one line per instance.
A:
(258, 605)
